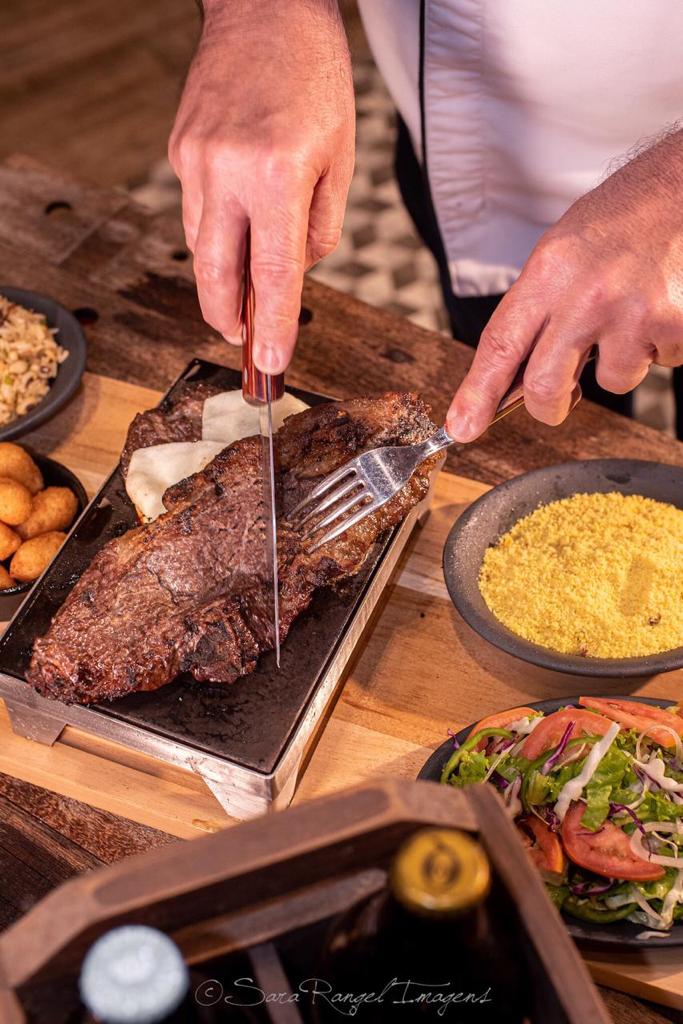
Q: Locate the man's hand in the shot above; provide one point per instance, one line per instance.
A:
(264, 139)
(609, 273)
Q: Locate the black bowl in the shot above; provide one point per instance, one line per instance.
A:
(70, 336)
(621, 936)
(54, 475)
(498, 510)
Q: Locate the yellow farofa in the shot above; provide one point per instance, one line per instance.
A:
(600, 575)
(29, 359)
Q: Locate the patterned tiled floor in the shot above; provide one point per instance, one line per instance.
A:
(380, 258)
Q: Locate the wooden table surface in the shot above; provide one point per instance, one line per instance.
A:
(129, 277)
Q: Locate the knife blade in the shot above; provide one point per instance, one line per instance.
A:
(263, 389)
(270, 506)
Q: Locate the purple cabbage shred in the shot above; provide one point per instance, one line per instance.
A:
(590, 889)
(553, 759)
(551, 819)
(498, 781)
(618, 808)
(453, 736)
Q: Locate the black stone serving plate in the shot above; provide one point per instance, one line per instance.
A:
(492, 515)
(70, 336)
(246, 738)
(621, 936)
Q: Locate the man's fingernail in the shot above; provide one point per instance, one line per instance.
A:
(577, 394)
(268, 359)
(233, 339)
(462, 429)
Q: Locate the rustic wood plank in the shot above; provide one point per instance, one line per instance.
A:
(117, 784)
(23, 834)
(44, 210)
(625, 1010)
(112, 72)
(98, 834)
(656, 975)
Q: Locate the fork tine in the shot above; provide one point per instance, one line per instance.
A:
(322, 487)
(331, 498)
(346, 524)
(336, 513)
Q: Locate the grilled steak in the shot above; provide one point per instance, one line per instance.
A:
(187, 593)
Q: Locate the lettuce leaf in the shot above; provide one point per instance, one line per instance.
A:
(658, 890)
(558, 894)
(472, 767)
(597, 805)
(545, 789)
(626, 739)
(511, 767)
(658, 807)
(607, 780)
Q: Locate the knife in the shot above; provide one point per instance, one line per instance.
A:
(263, 389)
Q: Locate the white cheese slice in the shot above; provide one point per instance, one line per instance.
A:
(227, 417)
(573, 789)
(152, 470)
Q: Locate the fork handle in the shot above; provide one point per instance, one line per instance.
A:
(513, 397)
(511, 400)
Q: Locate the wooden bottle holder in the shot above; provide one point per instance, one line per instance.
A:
(247, 888)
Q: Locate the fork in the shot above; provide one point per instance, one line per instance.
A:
(369, 480)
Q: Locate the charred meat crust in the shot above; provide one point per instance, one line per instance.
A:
(187, 592)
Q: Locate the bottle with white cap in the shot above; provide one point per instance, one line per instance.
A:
(136, 975)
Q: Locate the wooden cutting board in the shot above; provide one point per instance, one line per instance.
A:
(418, 672)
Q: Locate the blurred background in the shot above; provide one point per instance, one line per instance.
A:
(92, 86)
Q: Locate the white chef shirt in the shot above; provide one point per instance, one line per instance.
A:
(527, 105)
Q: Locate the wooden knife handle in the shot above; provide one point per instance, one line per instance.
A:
(257, 387)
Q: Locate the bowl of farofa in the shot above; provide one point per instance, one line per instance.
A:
(576, 567)
(42, 358)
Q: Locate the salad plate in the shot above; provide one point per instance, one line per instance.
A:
(539, 779)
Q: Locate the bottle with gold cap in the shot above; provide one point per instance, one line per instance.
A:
(427, 948)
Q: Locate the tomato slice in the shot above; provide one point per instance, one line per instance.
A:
(544, 848)
(634, 715)
(606, 852)
(550, 731)
(500, 720)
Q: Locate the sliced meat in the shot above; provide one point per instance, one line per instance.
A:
(187, 593)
